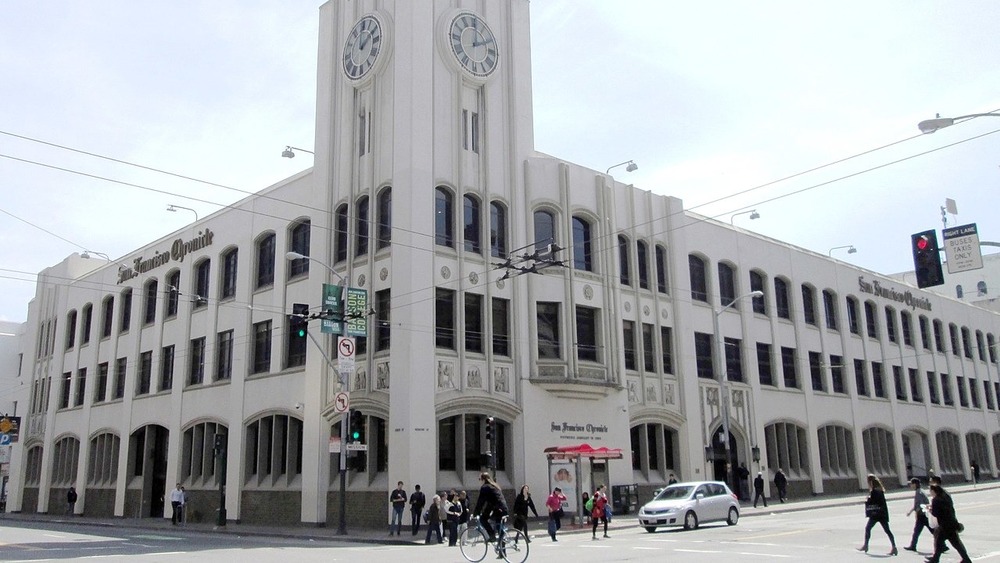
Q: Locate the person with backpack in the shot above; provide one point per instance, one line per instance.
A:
(598, 501)
(490, 506)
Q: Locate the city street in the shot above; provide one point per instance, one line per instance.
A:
(817, 535)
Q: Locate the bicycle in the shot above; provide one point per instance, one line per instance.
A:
(510, 545)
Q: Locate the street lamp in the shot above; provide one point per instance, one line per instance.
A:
(173, 207)
(753, 215)
(287, 153)
(932, 125)
(850, 249)
(723, 374)
(342, 524)
(631, 166)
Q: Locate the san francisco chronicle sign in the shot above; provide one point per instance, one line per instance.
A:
(176, 253)
(875, 287)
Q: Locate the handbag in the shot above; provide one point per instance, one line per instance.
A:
(873, 511)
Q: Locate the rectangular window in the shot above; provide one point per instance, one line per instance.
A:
(444, 319)
(628, 338)
(224, 355)
(501, 327)
(788, 368)
(765, 370)
(196, 365)
(586, 334)
(67, 379)
(362, 133)
(915, 385)
(974, 393)
(734, 358)
(475, 132)
(899, 382)
(925, 336)
(383, 324)
(932, 390)
(890, 324)
(878, 380)
(938, 337)
(547, 320)
(989, 396)
(816, 371)
(121, 364)
(262, 347)
(446, 444)
(859, 378)
(102, 382)
(963, 398)
(145, 373)
(904, 321)
(703, 355)
(667, 349)
(946, 390)
(837, 374)
(474, 323)
(648, 349)
(167, 368)
(81, 386)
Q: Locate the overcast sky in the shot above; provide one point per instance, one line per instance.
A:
(710, 99)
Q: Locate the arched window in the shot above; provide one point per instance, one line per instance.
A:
(273, 450)
(498, 230)
(384, 235)
(836, 451)
(472, 224)
(808, 305)
(642, 263)
(444, 218)
(202, 271)
(727, 285)
(545, 229)
(88, 319)
(341, 222)
(71, 329)
(661, 269)
(361, 236)
(958, 291)
(624, 266)
(699, 283)
(126, 312)
(299, 242)
(981, 288)
(265, 261)
(107, 315)
(230, 258)
(582, 250)
(757, 284)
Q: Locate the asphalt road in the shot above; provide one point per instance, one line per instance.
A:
(819, 535)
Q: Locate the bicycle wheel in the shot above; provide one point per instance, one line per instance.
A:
(473, 544)
(515, 547)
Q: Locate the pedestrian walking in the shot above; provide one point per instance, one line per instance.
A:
(434, 520)
(948, 526)
(397, 499)
(522, 504)
(758, 489)
(671, 480)
(417, 502)
(744, 477)
(443, 508)
(877, 512)
(463, 519)
(600, 500)
(919, 517)
(554, 503)
(177, 503)
(781, 484)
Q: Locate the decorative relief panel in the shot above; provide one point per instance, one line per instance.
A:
(552, 371)
(668, 393)
(712, 396)
(588, 292)
(361, 280)
(593, 373)
(474, 378)
(474, 278)
(360, 379)
(501, 380)
(739, 397)
(445, 272)
(627, 306)
(651, 393)
(446, 375)
(645, 310)
(382, 376)
(500, 284)
(633, 390)
(664, 314)
(383, 274)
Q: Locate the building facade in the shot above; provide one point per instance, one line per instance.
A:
(501, 283)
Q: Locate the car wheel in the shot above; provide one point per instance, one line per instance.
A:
(734, 516)
(650, 529)
(690, 520)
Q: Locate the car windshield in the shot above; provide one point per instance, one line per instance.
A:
(671, 493)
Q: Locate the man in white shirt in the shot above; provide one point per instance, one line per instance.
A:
(177, 502)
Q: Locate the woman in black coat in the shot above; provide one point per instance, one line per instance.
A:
(522, 504)
(877, 512)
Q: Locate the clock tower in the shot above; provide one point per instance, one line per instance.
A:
(424, 121)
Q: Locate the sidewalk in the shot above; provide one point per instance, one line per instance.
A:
(381, 536)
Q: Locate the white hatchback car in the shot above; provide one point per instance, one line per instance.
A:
(690, 504)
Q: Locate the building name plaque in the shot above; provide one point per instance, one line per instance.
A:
(567, 427)
(178, 250)
(875, 287)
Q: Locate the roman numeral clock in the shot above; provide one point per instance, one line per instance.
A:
(473, 44)
(365, 42)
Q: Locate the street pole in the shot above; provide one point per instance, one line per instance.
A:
(344, 422)
(221, 454)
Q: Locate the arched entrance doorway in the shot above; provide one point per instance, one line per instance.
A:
(722, 469)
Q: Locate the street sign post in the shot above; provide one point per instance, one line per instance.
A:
(961, 248)
(357, 447)
(341, 402)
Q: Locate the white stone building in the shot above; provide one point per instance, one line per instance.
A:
(425, 179)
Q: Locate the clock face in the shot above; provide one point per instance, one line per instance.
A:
(363, 47)
(473, 44)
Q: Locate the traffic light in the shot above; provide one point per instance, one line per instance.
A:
(298, 321)
(927, 259)
(491, 426)
(357, 427)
